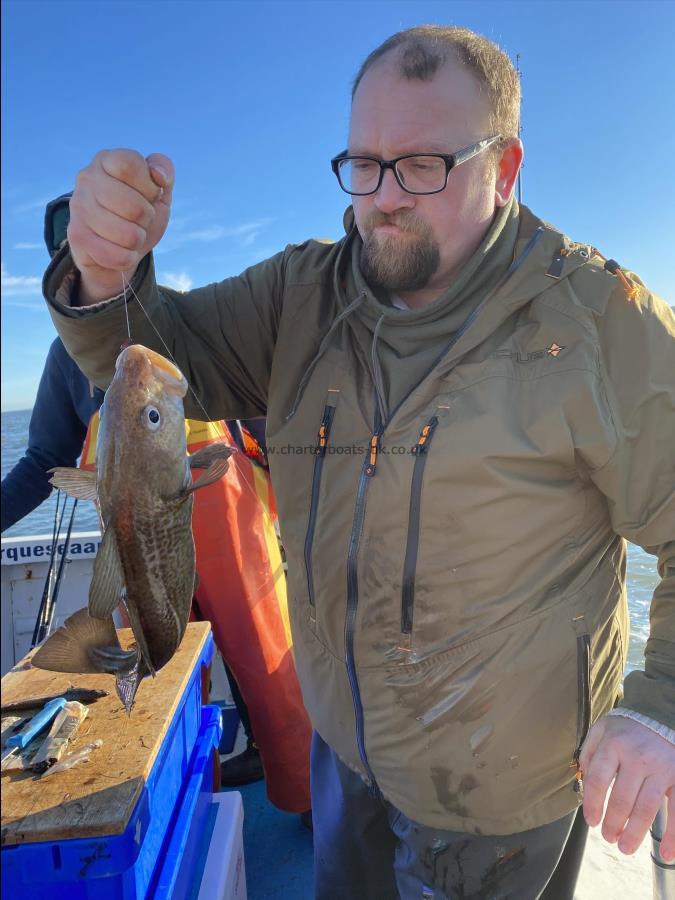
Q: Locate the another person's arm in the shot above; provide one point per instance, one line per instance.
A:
(55, 436)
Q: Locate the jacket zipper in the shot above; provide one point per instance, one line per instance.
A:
(320, 451)
(367, 472)
(420, 450)
(583, 701)
(583, 690)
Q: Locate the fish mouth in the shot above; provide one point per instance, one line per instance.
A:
(144, 364)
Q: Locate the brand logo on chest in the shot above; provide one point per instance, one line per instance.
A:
(553, 350)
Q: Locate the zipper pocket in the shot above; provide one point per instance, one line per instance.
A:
(320, 453)
(583, 691)
(421, 450)
(367, 472)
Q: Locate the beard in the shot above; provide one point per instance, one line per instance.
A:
(398, 263)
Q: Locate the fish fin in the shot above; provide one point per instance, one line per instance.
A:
(107, 580)
(70, 648)
(205, 456)
(137, 628)
(214, 472)
(127, 684)
(78, 483)
(114, 659)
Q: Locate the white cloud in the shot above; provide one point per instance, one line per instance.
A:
(21, 303)
(22, 245)
(19, 285)
(248, 231)
(179, 281)
(212, 233)
(31, 206)
(245, 234)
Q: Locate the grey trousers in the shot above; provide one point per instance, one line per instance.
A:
(366, 849)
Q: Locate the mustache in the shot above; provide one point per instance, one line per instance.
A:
(405, 222)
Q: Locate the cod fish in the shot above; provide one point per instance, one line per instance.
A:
(146, 560)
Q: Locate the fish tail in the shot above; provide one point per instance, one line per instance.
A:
(113, 659)
(76, 645)
(127, 682)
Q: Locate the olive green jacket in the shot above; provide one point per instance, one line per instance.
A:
(456, 573)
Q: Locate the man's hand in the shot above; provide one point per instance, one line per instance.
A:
(642, 765)
(118, 212)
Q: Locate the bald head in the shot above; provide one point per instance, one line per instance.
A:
(418, 54)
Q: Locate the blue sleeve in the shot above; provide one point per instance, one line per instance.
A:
(58, 426)
(257, 429)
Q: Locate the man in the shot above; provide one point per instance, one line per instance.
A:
(489, 410)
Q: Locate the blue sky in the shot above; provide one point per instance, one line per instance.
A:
(251, 101)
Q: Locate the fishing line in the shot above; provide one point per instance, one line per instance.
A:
(171, 357)
(126, 305)
(207, 418)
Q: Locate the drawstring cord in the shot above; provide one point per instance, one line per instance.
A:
(377, 369)
(612, 266)
(322, 349)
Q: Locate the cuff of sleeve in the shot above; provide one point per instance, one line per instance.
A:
(651, 693)
(657, 727)
(61, 282)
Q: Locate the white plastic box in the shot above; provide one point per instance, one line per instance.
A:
(224, 875)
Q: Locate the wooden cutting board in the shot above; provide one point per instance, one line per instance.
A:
(96, 797)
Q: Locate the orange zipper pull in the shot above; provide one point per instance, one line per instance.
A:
(631, 290)
(372, 462)
(323, 438)
(425, 435)
(578, 777)
(421, 441)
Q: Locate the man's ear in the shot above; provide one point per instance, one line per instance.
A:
(509, 165)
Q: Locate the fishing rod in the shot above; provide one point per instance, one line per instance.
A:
(51, 603)
(51, 571)
(520, 131)
(45, 616)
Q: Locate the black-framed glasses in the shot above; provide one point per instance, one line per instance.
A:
(416, 173)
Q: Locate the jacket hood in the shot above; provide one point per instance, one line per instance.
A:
(555, 257)
(519, 258)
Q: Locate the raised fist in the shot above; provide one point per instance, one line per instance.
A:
(118, 212)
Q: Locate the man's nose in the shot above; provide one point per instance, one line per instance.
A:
(390, 196)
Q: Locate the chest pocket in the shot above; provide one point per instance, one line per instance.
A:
(323, 438)
(496, 505)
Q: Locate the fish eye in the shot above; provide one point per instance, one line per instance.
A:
(151, 417)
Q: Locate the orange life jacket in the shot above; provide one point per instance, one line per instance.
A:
(242, 593)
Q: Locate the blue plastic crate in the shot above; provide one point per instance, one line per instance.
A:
(123, 866)
(230, 726)
(182, 854)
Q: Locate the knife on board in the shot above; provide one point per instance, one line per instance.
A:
(17, 742)
(82, 695)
